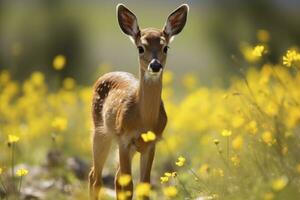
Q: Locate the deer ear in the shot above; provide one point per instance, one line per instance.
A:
(127, 21)
(176, 21)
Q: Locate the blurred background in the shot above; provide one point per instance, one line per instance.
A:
(33, 32)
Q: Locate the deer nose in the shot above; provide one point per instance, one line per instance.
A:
(155, 65)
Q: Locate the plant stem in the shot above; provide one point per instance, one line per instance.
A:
(20, 183)
(12, 163)
(228, 149)
(2, 183)
(184, 188)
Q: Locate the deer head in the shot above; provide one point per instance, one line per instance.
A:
(152, 44)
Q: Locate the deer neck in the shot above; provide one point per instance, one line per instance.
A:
(149, 95)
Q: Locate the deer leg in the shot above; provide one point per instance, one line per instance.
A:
(101, 147)
(146, 161)
(125, 158)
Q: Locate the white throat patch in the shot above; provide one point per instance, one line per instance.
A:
(152, 76)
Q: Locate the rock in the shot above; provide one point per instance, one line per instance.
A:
(79, 167)
(30, 193)
(55, 158)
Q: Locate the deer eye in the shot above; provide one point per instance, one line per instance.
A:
(141, 49)
(165, 50)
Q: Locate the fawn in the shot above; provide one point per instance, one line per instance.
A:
(123, 107)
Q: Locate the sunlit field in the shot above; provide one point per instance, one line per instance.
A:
(239, 142)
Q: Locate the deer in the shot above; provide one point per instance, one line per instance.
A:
(124, 107)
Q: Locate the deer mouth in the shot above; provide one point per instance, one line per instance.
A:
(154, 73)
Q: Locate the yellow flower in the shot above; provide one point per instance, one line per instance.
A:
(268, 138)
(22, 172)
(170, 191)
(166, 176)
(252, 127)
(237, 121)
(69, 83)
(204, 169)
(235, 160)
(60, 123)
(124, 179)
(59, 62)
(220, 172)
(263, 35)
(290, 57)
(164, 179)
(180, 161)
(37, 78)
(279, 183)
(143, 189)
(226, 133)
(252, 54)
(1, 170)
(268, 196)
(123, 195)
(237, 142)
(13, 138)
(148, 137)
(258, 50)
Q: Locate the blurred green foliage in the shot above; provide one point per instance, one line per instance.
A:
(32, 33)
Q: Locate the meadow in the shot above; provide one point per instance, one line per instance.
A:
(239, 142)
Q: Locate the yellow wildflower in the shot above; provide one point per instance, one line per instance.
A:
(235, 160)
(59, 62)
(268, 196)
(148, 137)
(168, 174)
(37, 78)
(143, 189)
(180, 161)
(268, 138)
(170, 191)
(1, 170)
(123, 195)
(22, 172)
(164, 179)
(13, 138)
(226, 133)
(279, 183)
(69, 83)
(258, 50)
(220, 172)
(263, 35)
(60, 123)
(237, 121)
(290, 57)
(204, 169)
(124, 179)
(252, 127)
(252, 54)
(237, 142)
